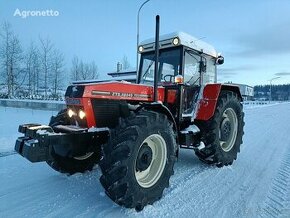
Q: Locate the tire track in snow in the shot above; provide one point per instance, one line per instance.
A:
(277, 203)
(7, 153)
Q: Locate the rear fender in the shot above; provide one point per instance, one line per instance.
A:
(208, 101)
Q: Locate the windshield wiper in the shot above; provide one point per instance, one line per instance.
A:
(147, 70)
(194, 81)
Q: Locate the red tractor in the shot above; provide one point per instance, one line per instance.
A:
(134, 131)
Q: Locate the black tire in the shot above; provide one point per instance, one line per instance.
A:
(75, 164)
(61, 118)
(120, 154)
(71, 165)
(211, 136)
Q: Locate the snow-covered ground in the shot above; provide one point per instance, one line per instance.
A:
(10, 118)
(256, 185)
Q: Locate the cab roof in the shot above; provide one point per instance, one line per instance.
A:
(184, 39)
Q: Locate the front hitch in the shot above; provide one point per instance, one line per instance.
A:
(69, 141)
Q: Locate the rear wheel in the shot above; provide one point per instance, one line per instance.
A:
(71, 165)
(222, 134)
(138, 159)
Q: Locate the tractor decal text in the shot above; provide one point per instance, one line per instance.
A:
(121, 94)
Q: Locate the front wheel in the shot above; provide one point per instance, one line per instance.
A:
(71, 165)
(138, 159)
(222, 134)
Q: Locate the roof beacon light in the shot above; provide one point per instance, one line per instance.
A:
(178, 79)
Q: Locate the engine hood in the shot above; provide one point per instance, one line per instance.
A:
(114, 90)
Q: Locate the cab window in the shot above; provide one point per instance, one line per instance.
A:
(191, 68)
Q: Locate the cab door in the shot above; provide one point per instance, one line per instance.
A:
(192, 82)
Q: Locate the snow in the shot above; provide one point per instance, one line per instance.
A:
(37, 101)
(256, 185)
(11, 118)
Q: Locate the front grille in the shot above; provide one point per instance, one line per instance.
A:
(107, 112)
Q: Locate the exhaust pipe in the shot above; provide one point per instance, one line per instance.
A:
(156, 59)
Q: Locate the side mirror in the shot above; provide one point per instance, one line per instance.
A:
(220, 60)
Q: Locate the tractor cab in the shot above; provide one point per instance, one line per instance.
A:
(185, 64)
(182, 59)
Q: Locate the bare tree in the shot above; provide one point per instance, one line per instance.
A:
(32, 69)
(92, 70)
(126, 63)
(83, 71)
(75, 69)
(11, 55)
(88, 70)
(46, 50)
(57, 70)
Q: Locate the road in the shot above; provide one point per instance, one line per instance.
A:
(256, 185)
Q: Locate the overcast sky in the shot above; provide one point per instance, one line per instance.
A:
(253, 35)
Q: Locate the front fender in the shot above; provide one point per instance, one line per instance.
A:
(161, 108)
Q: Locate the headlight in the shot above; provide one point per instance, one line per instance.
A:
(141, 49)
(82, 114)
(175, 41)
(71, 113)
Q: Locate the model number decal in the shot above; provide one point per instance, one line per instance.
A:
(120, 94)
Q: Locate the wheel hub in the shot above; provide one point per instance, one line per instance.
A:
(228, 129)
(144, 158)
(225, 130)
(151, 160)
(85, 156)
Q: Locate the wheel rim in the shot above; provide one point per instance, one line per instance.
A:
(151, 160)
(83, 157)
(228, 129)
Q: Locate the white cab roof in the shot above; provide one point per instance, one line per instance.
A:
(186, 40)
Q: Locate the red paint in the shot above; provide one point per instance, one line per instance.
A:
(121, 91)
(171, 96)
(91, 121)
(208, 102)
(114, 91)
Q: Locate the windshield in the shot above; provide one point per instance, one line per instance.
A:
(169, 66)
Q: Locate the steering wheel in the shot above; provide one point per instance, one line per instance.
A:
(170, 77)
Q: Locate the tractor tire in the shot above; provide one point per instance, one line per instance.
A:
(138, 159)
(61, 118)
(222, 134)
(71, 165)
